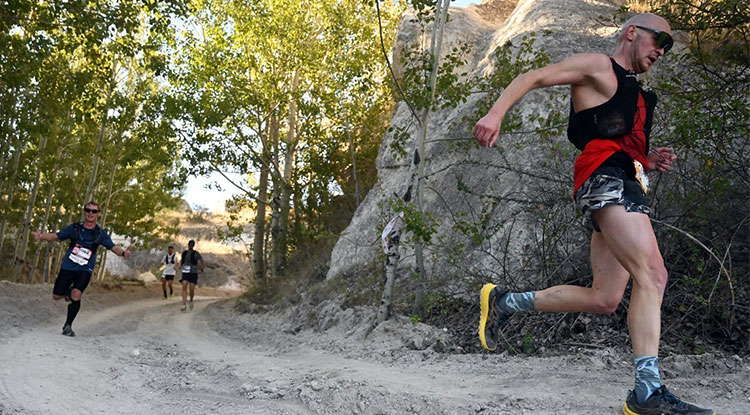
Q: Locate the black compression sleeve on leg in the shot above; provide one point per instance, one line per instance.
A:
(73, 309)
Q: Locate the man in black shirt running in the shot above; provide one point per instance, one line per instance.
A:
(191, 264)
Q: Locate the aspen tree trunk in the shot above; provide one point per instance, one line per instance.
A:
(102, 266)
(286, 188)
(275, 199)
(98, 191)
(352, 153)
(274, 234)
(59, 255)
(47, 210)
(17, 232)
(21, 259)
(259, 263)
(62, 249)
(391, 272)
(100, 144)
(267, 250)
(9, 204)
(296, 228)
(50, 250)
(354, 165)
(435, 45)
(259, 233)
(4, 152)
(108, 200)
(58, 251)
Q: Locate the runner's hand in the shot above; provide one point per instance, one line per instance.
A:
(127, 253)
(661, 159)
(37, 235)
(487, 130)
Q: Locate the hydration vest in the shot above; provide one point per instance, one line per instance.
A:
(169, 259)
(615, 117)
(75, 236)
(193, 259)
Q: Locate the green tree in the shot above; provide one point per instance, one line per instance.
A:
(59, 89)
(277, 88)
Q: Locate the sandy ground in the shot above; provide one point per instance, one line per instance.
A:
(136, 354)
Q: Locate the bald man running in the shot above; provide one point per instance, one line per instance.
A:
(610, 122)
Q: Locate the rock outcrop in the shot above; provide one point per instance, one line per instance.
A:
(452, 160)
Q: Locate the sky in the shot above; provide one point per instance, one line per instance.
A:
(464, 3)
(198, 196)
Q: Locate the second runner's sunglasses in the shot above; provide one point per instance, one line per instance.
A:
(663, 39)
(87, 210)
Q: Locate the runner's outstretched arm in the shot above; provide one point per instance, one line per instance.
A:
(120, 251)
(579, 70)
(48, 237)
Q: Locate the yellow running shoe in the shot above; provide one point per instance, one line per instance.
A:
(490, 318)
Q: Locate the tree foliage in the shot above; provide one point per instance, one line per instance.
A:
(290, 88)
(76, 74)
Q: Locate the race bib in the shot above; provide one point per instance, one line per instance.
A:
(80, 255)
(186, 269)
(640, 175)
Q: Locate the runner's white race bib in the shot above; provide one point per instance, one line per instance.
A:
(640, 175)
(186, 269)
(80, 255)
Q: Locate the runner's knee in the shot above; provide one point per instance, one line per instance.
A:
(653, 279)
(606, 305)
(661, 275)
(603, 302)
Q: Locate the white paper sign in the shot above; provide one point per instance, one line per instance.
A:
(387, 231)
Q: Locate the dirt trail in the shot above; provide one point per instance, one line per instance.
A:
(144, 356)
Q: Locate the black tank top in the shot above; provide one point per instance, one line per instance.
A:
(614, 117)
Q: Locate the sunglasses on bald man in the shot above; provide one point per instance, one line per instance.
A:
(663, 39)
(87, 210)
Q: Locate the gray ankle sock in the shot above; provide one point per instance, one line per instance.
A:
(515, 302)
(647, 378)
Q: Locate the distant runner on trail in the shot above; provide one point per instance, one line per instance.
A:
(610, 121)
(191, 263)
(169, 260)
(76, 269)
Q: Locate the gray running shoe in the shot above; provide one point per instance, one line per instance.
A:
(68, 331)
(184, 308)
(662, 402)
(191, 304)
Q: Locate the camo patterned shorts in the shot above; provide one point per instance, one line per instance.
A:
(610, 186)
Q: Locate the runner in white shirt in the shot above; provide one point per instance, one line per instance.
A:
(168, 260)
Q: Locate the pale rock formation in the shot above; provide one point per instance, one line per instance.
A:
(562, 27)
